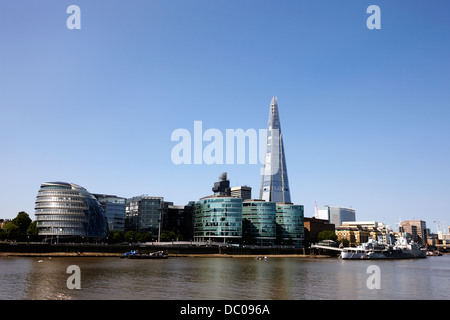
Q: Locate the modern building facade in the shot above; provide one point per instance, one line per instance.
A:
(114, 208)
(179, 219)
(144, 214)
(243, 192)
(218, 218)
(336, 215)
(290, 224)
(68, 212)
(414, 230)
(259, 221)
(275, 184)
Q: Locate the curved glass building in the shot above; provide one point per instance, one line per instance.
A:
(218, 218)
(259, 221)
(290, 222)
(66, 211)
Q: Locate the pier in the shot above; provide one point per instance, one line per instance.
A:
(324, 250)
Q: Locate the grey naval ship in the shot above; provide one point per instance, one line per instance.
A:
(374, 250)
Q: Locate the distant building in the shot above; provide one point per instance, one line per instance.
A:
(222, 187)
(336, 215)
(114, 208)
(354, 234)
(144, 214)
(3, 222)
(313, 227)
(363, 224)
(415, 229)
(243, 192)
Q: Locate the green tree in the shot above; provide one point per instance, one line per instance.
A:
(345, 242)
(167, 235)
(144, 237)
(327, 235)
(130, 236)
(32, 231)
(22, 221)
(17, 228)
(11, 231)
(115, 236)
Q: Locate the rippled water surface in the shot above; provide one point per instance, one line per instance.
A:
(223, 278)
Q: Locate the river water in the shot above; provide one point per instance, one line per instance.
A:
(224, 278)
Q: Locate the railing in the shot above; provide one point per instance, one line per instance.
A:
(315, 246)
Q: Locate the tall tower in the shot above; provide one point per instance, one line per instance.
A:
(275, 184)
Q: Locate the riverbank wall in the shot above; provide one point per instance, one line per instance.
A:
(114, 250)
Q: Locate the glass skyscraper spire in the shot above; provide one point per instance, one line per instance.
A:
(275, 184)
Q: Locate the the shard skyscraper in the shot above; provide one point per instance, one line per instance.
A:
(275, 184)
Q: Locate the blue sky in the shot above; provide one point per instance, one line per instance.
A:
(364, 113)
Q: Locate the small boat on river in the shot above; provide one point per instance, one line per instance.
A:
(134, 254)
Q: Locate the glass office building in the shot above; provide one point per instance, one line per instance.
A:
(68, 212)
(336, 215)
(289, 219)
(218, 218)
(259, 225)
(275, 184)
(144, 214)
(114, 207)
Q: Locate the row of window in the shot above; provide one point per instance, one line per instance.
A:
(62, 231)
(69, 193)
(59, 211)
(54, 217)
(60, 205)
(56, 199)
(59, 224)
(217, 234)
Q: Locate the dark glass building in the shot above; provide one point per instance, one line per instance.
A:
(114, 207)
(68, 212)
(259, 222)
(144, 214)
(218, 218)
(290, 224)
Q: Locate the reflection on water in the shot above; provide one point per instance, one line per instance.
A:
(223, 278)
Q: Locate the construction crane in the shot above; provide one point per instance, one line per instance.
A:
(317, 210)
(437, 226)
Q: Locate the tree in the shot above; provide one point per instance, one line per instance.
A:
(168, 235)
(11, 231)
(327, 235)
(130, 236)
(115, 236)
(144, 237)
(32, 231)
(345, 242)
(17, 228)
(22, 221)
